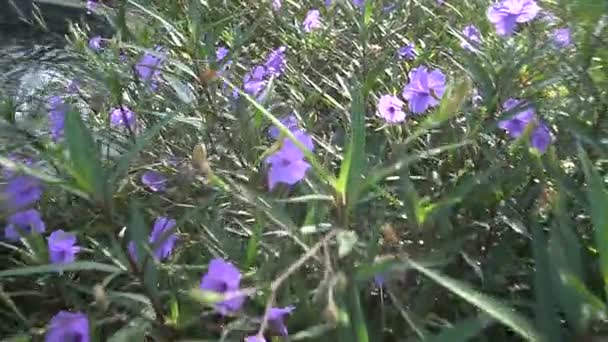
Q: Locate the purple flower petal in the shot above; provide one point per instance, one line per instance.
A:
(22, 191)
(276, 319)
(122, 116)
(67, 326)
(222, 277)
(24, 223)
(391, 109)
(312, 21)
(154, 180)
(62, 247)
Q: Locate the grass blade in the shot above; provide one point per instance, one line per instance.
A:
(598, 202)
(493, 307)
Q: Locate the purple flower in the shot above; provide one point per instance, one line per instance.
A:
(276, 5)
(23, 223)
(276, 317)
(96, 43)
(424, 90)
(255, 338)
(148, 68)
(57, 111)
(73, 87)
(163, 244)
(379, 280)
(154, 180)
(275, 62)
(220, 53)
(312, 21)
(91, 6)
(255, 81)
(67, 326)
(122, 116)
(515, 126)
(407, 52)
(390, 108)
(62, 247)
(328, 3)
(223, 278)
(291, 122)
(287, 165)
(358, 3)
(506, 14)
(562, 38)
(472, 38)
(22, 191)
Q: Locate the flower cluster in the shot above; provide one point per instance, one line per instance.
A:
(256, 80)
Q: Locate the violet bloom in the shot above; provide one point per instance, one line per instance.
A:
(154, 180)
(255, 81)
(562, 38)
(379, 280)
(220, 53)
(407, 52)
(68, 326)
(291, 122)
(390, 108)
(506, 14)
(255, 338)
(122, 116)
(223, 278)
(276, 61)
(73, 87)
(96, 43)
(92, 6)
(162, 243)
(540, 137)
(276, 319)
(472, 38)
(22, 191)
(57, 112)
(424, 90)
(358, 3)
(62, 247)
(148, 68)
(287, 165)
(328, 3)
(276, 5)
(312, 21)
(23, 223)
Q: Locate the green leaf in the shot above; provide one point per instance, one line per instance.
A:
(546, 308)
(463, 331)
(493, 307)
(353, 164)
(598, 202)
(358, 322)
(84, 157)
(566, 261)
(138, 233)
(347, 239)
(182, 90)
(56, 268)
(135, 330)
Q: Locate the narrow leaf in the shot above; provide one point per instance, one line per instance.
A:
(493, 307)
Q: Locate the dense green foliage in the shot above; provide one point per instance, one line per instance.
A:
(479, 236)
